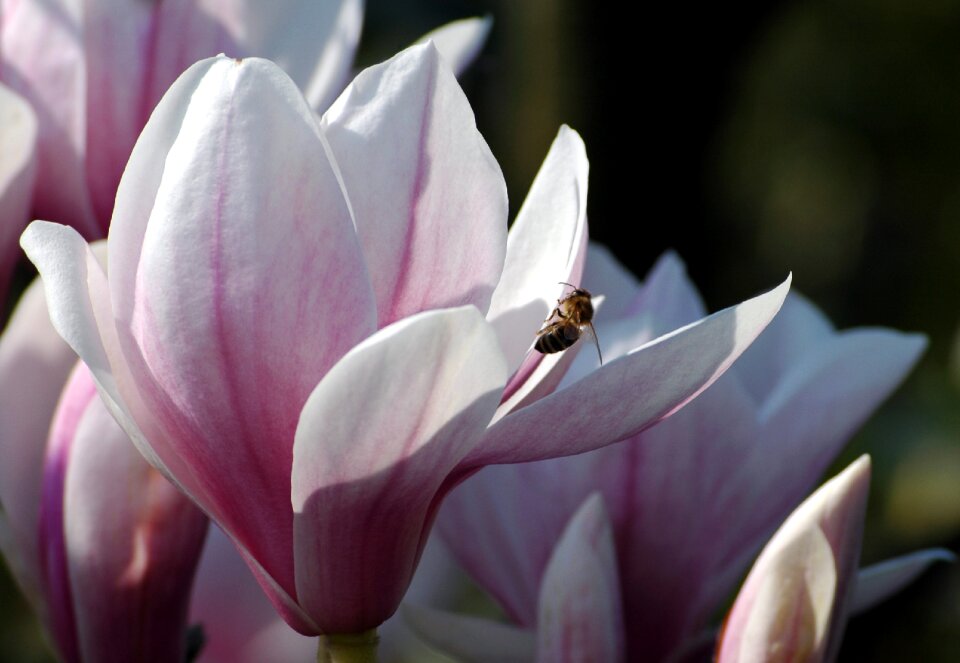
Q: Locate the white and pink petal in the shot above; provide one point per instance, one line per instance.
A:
(546, 245)
(133, 542)
(376, 440)
(580, 613)
(629, 394)
(238, 283)
(34, 365)
(794, 602)
(427, 195)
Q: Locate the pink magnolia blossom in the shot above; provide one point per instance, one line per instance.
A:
(94, 70)
(792, 607)
(692, 499)
(311, 328)
(104, 547)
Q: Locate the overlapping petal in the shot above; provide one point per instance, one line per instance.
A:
(34, 365)
(428, 198)
(729, 467)
(376, 439)
(579, 609)
(545, 246)
(250, 285)
(626, 396)
(133, 542)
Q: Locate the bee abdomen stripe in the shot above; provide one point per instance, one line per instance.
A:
(550, 343)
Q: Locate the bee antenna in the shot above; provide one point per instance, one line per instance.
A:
(569, 284)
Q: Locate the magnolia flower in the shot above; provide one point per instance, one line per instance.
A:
(692, 499)
(95, 70)
(310, 327)
(103, 546)
(793, 606)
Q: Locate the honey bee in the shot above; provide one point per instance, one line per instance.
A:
(565, 325)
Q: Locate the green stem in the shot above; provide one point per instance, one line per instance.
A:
(348, 648)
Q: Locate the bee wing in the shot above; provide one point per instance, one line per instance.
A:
(571, 332)
(548, 327)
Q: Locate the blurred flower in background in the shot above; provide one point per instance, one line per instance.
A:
(90, 74)
(94, 71)
(692, 499)
(102, 545)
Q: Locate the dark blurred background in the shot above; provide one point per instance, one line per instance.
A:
(819, 137)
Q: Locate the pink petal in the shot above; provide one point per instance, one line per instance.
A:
(249, 286)
(54, 555)
(76, 289)
(133, 541)
(460, 42)
(750, 470)
(52, 79)
(666, 301)
(428, 198)
(794, 602)
(878, 582)
(471, 638)
(604, 275)
(18, 138)
(502, 524)
(78, 301)
(627, 395)
(376, 440)
(579, 609)
(800, 328)
(546, 245)
(688, 470)
(34, 365)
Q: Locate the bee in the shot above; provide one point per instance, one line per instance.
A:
(565, 325)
